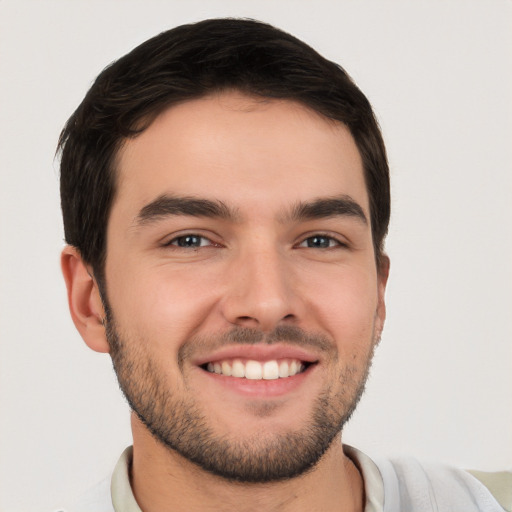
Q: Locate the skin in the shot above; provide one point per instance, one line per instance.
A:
(254, 270)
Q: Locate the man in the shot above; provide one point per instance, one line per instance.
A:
(225, 194)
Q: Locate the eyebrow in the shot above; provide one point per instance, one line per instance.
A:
(321, 208)
(166, 205)
(327, 207)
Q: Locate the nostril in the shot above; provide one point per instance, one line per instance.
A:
(247, 321)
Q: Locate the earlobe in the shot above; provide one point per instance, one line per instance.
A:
(84, 300)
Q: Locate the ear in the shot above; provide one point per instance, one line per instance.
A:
(84, 300)
(382, 279)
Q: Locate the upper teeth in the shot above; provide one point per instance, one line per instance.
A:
(256, 370)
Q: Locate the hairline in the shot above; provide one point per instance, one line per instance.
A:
(145, 121)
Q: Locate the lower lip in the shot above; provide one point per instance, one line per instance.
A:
(261, 387)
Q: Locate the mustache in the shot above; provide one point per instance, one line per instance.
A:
(289, 334)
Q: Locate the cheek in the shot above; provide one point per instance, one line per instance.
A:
(158, 305)
(345, 304)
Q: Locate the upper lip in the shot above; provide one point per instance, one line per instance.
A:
(257, 352)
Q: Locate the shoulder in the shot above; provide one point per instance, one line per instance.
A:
(409, 483)
(499, 484)
(111, 494)
(96, 499)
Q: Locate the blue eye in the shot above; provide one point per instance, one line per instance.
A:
(190, 241)
(320, 242)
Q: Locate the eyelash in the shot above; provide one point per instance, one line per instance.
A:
(319, 236)
(175, 241)
(329, 238)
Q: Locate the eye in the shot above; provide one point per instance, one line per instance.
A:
(190, 241)
(321, 242)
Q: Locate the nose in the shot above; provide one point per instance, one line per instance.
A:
(261, 293)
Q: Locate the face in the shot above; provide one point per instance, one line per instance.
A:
(243, 298)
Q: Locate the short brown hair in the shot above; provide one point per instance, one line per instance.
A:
(188, 62)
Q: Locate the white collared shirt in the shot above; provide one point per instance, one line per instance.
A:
(114, 494)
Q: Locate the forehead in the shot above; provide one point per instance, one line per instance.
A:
(242, 150)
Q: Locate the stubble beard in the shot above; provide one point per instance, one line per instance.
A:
(180, 425)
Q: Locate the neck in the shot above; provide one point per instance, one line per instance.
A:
(162, 481)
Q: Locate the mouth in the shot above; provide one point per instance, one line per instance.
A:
(251, 369)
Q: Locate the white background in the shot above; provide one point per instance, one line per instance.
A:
(439, 75)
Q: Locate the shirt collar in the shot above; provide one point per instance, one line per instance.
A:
(124, 500)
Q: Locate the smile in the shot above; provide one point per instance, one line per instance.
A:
(257, 370)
